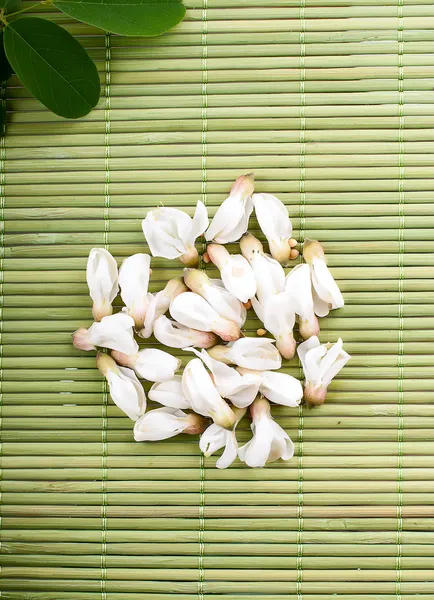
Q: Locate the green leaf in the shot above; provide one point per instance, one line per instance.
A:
(53, 66)
(5, 68)
(10, 6)
(126, 17)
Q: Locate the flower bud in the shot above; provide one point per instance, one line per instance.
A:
(314, 395)
(81, 340)
(190, 258)
(244, 185)
(250, 246)
(312, 249)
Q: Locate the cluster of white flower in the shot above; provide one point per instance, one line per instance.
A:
(201, 311)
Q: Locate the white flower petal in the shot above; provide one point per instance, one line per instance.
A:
(199, 223)
(204, 398)
(274, 221)
(169, 393)
(254, 353)
(270, 276)
(114, 332)
(325, 286)
(230, 452)
(127, 392)
(212, 439)
(232, 216)
(225, 304)
(193, 311)
(320, 362)
(166, 230)
(102, 279)
(173, 334)
(160, 424)
(239, 278)
(133, 281)
(156, 365)
(281, 388)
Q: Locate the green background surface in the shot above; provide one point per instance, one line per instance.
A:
(330, 103)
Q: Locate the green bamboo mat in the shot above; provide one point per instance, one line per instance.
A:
(330, 102)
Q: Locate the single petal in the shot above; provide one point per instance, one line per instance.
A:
(256, 452)
(239, 278)
(232, 216)
(156, 365)
(165, 229)
(204, 398)
(173, 334)
(114, 332)
(169, 393)
(270, 277)
(225, 304)
(303, 349)
(127, 392)
(160, 424)
(324, 284)
(274, 221)
(193, 311)
(151, 315)
(255, 353)
(198, 225)
(133, 281)
(230, 452)
(102, 279)
(335, 359)
(281, 388)
(212, 439)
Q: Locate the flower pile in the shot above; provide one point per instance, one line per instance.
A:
(196, 314)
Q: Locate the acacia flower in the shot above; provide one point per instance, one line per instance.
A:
(236, 273)
(151, 363)
(171, 233)
(269, 442)
(276, 225)
(326, 294)
(240, 389)
(321, 363)
(269, 274)
(133, 281)
(102, 279)
(125, 389)
(232, 216)
(277, 387)
(198, 388)
(173, 334)
(114, 332)
(222, 301)
(298, 287)
(164, 423)
(169, 393)
(253, 353)
(278, 317)
(193, 311)
(215, 437)
(158, 304)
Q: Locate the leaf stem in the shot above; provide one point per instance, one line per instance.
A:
(23, 10)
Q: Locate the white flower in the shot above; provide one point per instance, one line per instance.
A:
(269, 442)
(321, 362)
(164, 423)
(159, 303)
(232, 217)
(151, 363)
(114, 332)
(125, 389)
(269, 274)
(133, 281)
(193, 311)
(204, 399)
(236, 273)
(241, 390)
(275, 223)
(169, 393)
(102, 279)
(253, 353)
(280, 388)
(326, 294)
(222, 301)
(299, 289)
(278, 317)
(171, 233)
(216, 437)
(172, 334)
